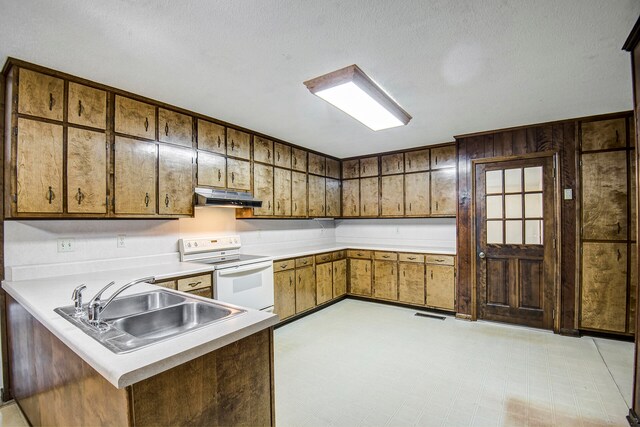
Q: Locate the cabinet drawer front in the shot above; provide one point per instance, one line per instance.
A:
(238, 144)
(385, 256)
(411, 257)
(324, 258)
(238, 174)
(282, 155)
(304, 262)
(86, 171)
(440, 259)
(285, 264)
(316, 164)
(175, 128)
(212, 137)
(262, 150)
(333, 168)
(135, 118)
(87, 106)
(369, 166)
(40, 95)
(416, 161)
(604, 134)
(350, 169)
(353, 253)
(393, 163)
(195, 282)
(299, 160)
(339, 255)
(443, 157)
(175, 180)
(212, 170)
(170, 284)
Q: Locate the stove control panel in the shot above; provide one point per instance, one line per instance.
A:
(212, 244)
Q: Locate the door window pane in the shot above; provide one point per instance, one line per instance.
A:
(494, 232)
(494, 207)
(533, 205)
(512, 180)
(494, 181)
(533, 232)
(513, 232)
(513, 206)
(533, 179)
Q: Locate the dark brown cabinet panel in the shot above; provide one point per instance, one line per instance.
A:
(411, 283)
(417, 201)
(282, 155)
(175, 180)
(443, 157)
(86, 171)
(332, 196)
(604, 134)
(238, 144)
(305, 289)
(351, 198)
(282, 191)
(212, 170)
(238, 174)
(369, 167)
(333, 168)
(324, 282)
(443, 192)
(212, 137)
(298, 160)
(284, 293)
(263, 188)
(350, 169)
(135, 176)
(392, 195)
(416, 161)
(40, 95)
(385, 280)
(360, 278)
(175, 128)
(316, 164)
(87, 106)
(298, 194)
(316, 196)
(262, 150)
(135, 118)
(369, 197)
(392, 164)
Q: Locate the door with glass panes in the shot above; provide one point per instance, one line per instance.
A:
(515, 242)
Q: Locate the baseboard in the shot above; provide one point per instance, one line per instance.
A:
(398, 304)
(569, 332)
(308, 312)
(463, 316)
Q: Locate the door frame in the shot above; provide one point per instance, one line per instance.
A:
(557, 289)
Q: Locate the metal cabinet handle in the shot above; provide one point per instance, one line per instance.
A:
(482, 255)
(295, 206)
(268, 154)
(269, 204)
(79, 108)
(50, 195)
(278, 155)
(398, 164)
(232, 145)
(290, 281)
(219, 142)
(194, 284)
(295, 160)
(51, 101)
(79, 196)
(233, 177)
(436, 205)
(617, 136)
(283, 266)
(304, 262)
(436, 160)
(385, 256)
(398, 207)
(166, 200)
(619, 228)
(412, 258)
(619, 254)
(409, 162)
(146, 199)
(431, 274)
(439, 260)
(166, 129)
(409, 206)
(278, 205)
(219, 175)
(146, 124)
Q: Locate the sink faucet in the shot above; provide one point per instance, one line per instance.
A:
(77, 300)
(96, 306)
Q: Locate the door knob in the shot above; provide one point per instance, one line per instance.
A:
(482, 255)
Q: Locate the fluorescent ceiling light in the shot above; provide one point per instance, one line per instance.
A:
(353, 92)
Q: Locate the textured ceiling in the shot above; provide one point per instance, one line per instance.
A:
(455, 66)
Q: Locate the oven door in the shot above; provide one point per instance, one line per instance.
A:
(248, 285)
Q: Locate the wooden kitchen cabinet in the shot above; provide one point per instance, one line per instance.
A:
(351, 198)
(238, 144)
(298, 194)
(369, 197)
(298, 159)
(392, 195)
(305, 289)
(392, 164)
(417, 198)
(175, 128)
(332, 197)
(332, 168)
(86, 171)
(212, 137)
(339, 277)
(282, 155)
(443, 157)
(263, 189)
(317, 164)
(40, 95)
(135, 176)
(385, 280)
(360, 278)
(324, 282)
(316, 196)
(262, 150)
(369, 167)
(603, 134)
(443, 192)
(175, 180)
(351, 169)
(416, 161)
(633, 287)
(632, 195)
(212, 170)
(282, 192)
(238, 174)
(284, 293)
(411, 282)
(135, 118)
(441, 287)
(87, 106)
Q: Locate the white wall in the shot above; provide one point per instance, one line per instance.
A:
(432, 232)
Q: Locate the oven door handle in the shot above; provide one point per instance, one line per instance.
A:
(238, 269)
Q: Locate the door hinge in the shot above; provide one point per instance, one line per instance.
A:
(554, 314)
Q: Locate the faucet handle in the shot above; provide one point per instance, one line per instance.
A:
(77, 299)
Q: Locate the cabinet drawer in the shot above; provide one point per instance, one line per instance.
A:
(135, 118)
(204, 292)
(285, 264)
(338, 255)
(238, 144)
(40, 95)
(412, 258)
(351, 253)
(304, 262)
(262, 150)
(386, 256)
(87, 106)
(170, 284)
(212, 137)
(175, 128)
(324, 258)
(195, 282)
(440, 259)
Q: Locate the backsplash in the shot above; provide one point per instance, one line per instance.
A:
(433, 232)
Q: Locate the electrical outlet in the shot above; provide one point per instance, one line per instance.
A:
(122, 243)
(66, 244)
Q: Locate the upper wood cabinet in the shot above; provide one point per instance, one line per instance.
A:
(332, 168)
(369, 197)
(238, 174)
(175, 180)
(212, 170)
(351, 198)
(262, 150)
(369, 166)
(443, 157)
(392, 164)
(39, 167)
(604, 134)
(282, 155)
(416, 161)
(135, 176)
(332, 197)
(317, 164)
(298, 159)
(298, 194)
(212, 137)
(86, 171)
(282, 192)
(392, 195)
(350, 169)
(87, 106)
(135, 118)
(238, 144)
(263, 188)
(316, 196)
(443, 192)
(40, 95)
(175, 128)
(417, 200)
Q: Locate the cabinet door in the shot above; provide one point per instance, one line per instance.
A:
(339, 278)
(443, 192)
(369, 166)
(604, 286)
(441, 292)
(282, 154)
(385, 280)
(411, 283)
(284, 294)
(632, 195)
(416, 188)
(360, 276)
(87, 106)
(392, 195)
(135, 118)
(238, 144)
(316, 196)
(298, 160)
(175, 180)
(324, 282)
(212, 170)
(633, 286)
(282, 191)
(212, 137)
(305, 289)
(443, 157)
(135, 177)
(369, 197)
(175, 128)
(603, 134)
(316, 164)
(392, 164)
(238, 174)
(39, 167)
(40, 95)
(350, 169)
(333, 168)
(298, 194)
(86, 171)
(263, 188)
(332, 197)
(351, 197)
(416, 161)
(262, 150)
(604, 195)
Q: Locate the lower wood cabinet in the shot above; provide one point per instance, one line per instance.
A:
(324, 282)
(411, 282)
(200, 285)
(360, 278)
(285, 293)
(441, 290)
(385, 280)
(305, 289)
(339, 277)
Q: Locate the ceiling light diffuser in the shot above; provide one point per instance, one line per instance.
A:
(353, 92)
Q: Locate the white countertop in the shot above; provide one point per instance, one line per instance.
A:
(41, 296)
(282, 253)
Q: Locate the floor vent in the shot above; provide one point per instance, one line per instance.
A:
(432, 316)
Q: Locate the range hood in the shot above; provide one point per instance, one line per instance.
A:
(226, 199)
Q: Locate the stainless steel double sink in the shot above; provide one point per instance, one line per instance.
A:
(136, 321)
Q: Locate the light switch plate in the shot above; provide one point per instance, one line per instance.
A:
(66, 244)
(568, 194)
